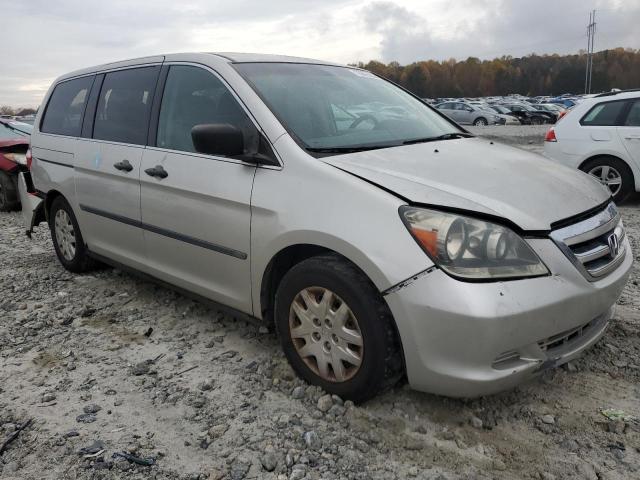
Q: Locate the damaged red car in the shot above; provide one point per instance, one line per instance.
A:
(14, 144)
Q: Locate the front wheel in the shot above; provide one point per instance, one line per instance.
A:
(480, 122)
(536, 121)
(336, 330)
(67, 239)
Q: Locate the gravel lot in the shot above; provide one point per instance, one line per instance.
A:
(106, 364)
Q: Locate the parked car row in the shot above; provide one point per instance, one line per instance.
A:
(20, 118)
(481, 113)
(337, 207)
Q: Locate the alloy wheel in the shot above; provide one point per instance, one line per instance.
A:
(326, 334)
(65, 235)
(608, 176)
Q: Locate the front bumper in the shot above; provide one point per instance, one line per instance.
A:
(465, 339)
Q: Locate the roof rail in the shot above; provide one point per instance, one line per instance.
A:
(608, 94)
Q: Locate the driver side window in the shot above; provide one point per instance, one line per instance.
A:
(193, 96)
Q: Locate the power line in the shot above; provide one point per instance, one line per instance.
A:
(591, 33)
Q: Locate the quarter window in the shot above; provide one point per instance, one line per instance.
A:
(603, 114)
(124, 105)
(65, 109)
(193, 96)
(633, 118)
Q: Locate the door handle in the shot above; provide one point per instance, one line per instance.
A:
(124, 165)
(157, 172)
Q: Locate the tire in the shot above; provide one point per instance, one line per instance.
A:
(67, 239)
(381, 363)
(8, 193)
(617, 168)
(480, 122)
(536, 121)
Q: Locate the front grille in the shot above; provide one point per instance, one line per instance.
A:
(561, 339)
(596, 245)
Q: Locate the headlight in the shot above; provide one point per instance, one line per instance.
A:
(471, 249)
(20, 158)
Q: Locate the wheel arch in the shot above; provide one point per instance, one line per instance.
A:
(282, 261)
(48, 201)
(608, 155)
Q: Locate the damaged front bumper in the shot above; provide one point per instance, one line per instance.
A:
(32, 205)
(465, 339)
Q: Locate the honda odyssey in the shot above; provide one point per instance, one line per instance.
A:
(380, 238)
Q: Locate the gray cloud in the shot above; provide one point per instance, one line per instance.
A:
(46, 39)
(502, 27)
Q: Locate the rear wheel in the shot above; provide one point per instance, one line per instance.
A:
(613, 173)
(8, 193)
(336, 330)
(67, 239)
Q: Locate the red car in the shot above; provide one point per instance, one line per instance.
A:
(14, 143)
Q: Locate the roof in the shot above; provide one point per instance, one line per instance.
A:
(230, 57)
(620, 93)
(237, 57)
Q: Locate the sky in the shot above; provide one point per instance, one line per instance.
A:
(43, 39)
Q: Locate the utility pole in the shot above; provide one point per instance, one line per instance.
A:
(591, 33)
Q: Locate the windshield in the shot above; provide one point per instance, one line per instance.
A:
(14, 130)
(500, 109)
(338, 108)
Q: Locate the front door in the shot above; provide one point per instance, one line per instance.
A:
(196, 208)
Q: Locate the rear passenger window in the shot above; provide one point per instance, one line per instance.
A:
(603, 114)
(193, 96)
(63, 115)
(633, 118)
(124, 105)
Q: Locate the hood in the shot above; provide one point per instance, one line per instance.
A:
(476, 175)
(14, 142)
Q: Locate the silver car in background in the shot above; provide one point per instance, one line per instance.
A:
(380, 239)
(467, 114)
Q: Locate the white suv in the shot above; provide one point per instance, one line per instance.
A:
(601, 136)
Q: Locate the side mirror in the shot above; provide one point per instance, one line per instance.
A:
(218, 139)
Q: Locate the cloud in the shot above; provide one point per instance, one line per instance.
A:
(440, 30)
(46, 39)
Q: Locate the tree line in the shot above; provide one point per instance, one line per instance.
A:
(530, 75)
(7, 110)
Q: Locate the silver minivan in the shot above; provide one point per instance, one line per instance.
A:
(380, 239)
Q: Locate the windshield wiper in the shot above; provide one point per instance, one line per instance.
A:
(446, 136)
(345, 149)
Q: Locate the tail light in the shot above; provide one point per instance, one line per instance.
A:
(29, 158)
(550, 136)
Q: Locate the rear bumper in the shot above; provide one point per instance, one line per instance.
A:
(32, 205)
(469, 339)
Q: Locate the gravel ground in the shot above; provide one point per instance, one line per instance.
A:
(112, 370)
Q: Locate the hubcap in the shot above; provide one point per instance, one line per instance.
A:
(65, 235)
(326, 334)
(608, 176)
